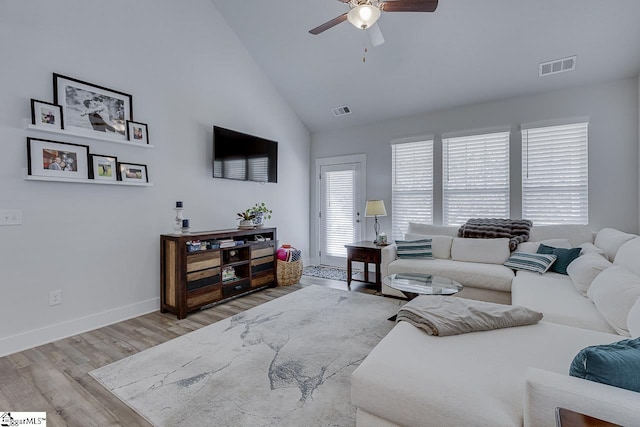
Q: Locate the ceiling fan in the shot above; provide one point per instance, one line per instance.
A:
(364, 14)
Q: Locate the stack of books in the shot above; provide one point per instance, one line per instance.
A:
(226, 243)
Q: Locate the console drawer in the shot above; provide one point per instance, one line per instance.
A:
(235, 288)
(197, 262)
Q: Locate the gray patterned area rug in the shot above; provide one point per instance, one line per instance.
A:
(287, 362)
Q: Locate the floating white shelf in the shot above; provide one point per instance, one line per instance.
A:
(87, 181)
(84, 135)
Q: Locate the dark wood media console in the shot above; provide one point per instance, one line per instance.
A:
(196, 275)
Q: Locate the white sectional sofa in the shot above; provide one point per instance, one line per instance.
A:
(475, 263)
(514, 376)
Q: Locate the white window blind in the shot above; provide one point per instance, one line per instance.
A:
(475, 177)
(555, 178)
(411, 186)
(339, 207)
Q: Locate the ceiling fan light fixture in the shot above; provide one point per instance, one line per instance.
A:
(363, 16)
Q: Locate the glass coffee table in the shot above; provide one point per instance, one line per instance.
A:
(414, 284)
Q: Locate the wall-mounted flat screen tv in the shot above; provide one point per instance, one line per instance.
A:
(244, 157)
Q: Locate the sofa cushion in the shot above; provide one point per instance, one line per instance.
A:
(538, 263)
(429, 229)
(414, 249)
(628, 255)
(585, 268)
(590, 248)
(413, 379)
(633, 320)
(532, 247)
(616, 364)
(610, 240)
(614, 292)
(564, 257)
(490, 251)
(555, 296)
(484, 276)
(440, 245)
(576, 234)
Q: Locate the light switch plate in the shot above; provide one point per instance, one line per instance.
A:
(11, 217)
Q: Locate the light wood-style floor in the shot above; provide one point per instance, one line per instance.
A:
(54, 378)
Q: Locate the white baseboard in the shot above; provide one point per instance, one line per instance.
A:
(37, 337)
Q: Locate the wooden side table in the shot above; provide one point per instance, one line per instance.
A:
(568, 418)
(368, 253)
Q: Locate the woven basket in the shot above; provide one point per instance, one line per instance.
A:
(289, 273)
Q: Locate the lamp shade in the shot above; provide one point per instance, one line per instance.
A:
(375, 208)
(363, 16)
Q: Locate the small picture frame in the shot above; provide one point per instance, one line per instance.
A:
(137, 132)
(55, 159)
(103, 168)
(133, 172)
(46, 115)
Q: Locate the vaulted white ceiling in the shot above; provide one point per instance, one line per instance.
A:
(467, 51)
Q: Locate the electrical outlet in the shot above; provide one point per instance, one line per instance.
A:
(55, 297)
(10, 217)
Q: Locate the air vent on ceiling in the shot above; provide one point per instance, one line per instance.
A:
(341, 111)
(558, 66)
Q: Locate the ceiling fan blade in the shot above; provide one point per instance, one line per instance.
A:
(324, 27)
(410, 6)
(375, 34)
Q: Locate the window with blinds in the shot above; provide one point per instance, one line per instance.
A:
(411, 186)
(475, 182)
(555, 178)
(339, 188)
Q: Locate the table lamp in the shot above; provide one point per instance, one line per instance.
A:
(374, 209)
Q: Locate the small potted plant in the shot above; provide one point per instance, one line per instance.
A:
(260, 213)
(246, 218)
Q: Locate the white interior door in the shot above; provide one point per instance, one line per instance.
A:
(340, 216)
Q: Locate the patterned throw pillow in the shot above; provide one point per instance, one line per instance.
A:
(412, 249)
(538, 263)
(565, 257)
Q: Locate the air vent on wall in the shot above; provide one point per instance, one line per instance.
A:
(558, 66)
(341, 111)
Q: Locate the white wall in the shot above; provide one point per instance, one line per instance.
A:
(613, 147)
(99, 244)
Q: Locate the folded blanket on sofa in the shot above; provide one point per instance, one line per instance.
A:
(493, 228)
(443, 316)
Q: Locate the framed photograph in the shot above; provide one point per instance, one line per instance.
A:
(103, 168)
(46, 115)
(57, 159)
(91, 109)
(133, 172)
(137, 132)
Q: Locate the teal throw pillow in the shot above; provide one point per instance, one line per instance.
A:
(538, 263)
(565, 257)
(616, 364)
(414, 249)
